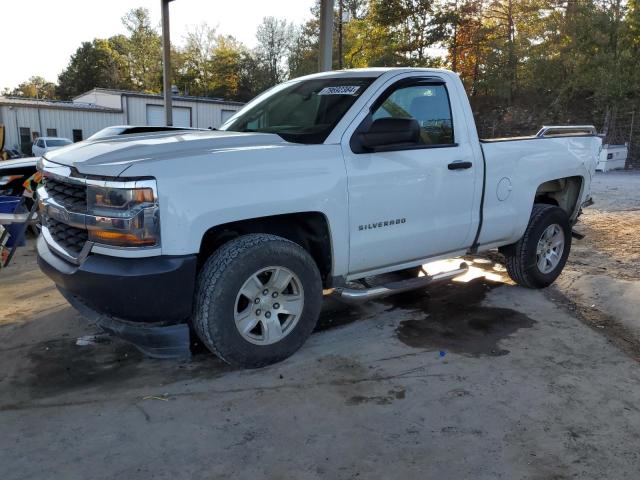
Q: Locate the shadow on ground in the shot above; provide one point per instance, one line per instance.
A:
(446, 318)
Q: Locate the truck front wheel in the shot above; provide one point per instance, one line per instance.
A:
(538, 258)
(258, 299)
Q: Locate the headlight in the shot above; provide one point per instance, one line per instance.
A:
(124, 217)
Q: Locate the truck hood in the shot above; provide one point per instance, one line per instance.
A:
(110, 157)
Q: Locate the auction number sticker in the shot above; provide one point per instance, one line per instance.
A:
(344, 90)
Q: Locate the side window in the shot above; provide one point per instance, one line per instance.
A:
(427, 104)
(40, 143)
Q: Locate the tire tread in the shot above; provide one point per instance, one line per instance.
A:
(212, 273)
(516, 260)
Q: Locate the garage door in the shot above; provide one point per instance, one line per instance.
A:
(181, 116)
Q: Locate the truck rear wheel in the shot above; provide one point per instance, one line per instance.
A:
(538, 258)
(258, 299)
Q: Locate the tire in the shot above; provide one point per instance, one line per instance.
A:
(249, 266)
(522, 260)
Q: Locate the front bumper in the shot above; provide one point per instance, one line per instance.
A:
(126, 296)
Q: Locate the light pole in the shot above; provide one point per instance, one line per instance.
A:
(166, 64)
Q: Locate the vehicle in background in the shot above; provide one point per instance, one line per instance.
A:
(319, 182)
(46, 144)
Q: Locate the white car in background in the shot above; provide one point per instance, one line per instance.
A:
(45, 144)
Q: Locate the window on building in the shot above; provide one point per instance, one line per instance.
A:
(77, 135)
(25, 140)
(52, 132)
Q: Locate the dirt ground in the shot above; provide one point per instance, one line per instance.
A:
(475, 379)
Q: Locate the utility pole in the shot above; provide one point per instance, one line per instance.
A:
(340, 19)
(326, 35)
(166, 64)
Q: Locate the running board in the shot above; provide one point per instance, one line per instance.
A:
(353, 295)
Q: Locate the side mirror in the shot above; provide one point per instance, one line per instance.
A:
(390, 131)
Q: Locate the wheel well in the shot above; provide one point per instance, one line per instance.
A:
(561, 192)
(310, 230)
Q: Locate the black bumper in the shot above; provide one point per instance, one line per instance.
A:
(143, 300)
(152, 290)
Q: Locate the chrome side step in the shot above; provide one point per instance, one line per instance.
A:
(353, 295)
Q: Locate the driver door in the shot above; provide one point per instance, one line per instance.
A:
(410, 202)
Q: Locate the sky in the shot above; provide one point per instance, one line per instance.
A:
(39, 36)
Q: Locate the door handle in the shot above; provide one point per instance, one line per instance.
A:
(459, 165)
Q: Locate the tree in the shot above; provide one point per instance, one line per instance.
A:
(226, 69)
(35, 87)
(303, 51)
(409, 27)
(94, 64)
(195, 74)
(274, 42)
(143, 51)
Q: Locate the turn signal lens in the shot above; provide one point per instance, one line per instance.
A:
(120, 239)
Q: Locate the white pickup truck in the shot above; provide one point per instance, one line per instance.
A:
(318, 182)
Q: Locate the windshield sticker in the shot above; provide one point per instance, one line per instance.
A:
(344, 90)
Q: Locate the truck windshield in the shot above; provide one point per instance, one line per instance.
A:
(302, 112)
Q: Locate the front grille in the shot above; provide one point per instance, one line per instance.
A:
(70, 238)
(73, 197)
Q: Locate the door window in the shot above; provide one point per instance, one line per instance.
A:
(428, 104)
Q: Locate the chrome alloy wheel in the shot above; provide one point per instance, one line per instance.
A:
(269, 305)
(550, 248)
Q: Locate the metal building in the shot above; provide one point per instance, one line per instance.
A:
(25, 119)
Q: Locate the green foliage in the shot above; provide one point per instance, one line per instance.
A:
(274, 43)
(35, 87)
(95, 64)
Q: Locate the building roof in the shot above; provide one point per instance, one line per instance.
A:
(182, 98)
(40, 103)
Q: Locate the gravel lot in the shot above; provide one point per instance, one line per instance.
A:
(477, 379)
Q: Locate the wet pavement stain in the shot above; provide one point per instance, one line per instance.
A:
(59, 366)
(388, 399)
(454, 320)
(336, 314)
